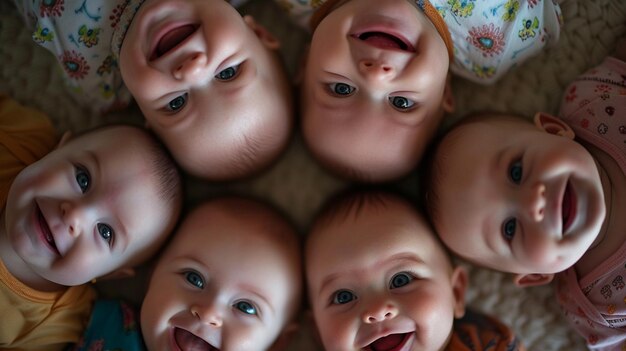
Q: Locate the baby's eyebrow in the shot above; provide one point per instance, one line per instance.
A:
(498, 159)
(401, 257)
(328, 280)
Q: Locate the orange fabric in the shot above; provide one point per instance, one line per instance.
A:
(26, 135)
(477, 332)
(429, 10)
(37, 320)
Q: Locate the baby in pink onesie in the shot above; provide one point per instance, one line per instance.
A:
(545, 199)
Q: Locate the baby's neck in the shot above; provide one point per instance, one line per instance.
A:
(17, 267)
(613, 232)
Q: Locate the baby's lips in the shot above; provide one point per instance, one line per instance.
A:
(171, 38)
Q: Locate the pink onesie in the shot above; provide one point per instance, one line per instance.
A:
(594, 106)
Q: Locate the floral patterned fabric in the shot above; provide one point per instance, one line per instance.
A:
(594, 106)
(79, 33)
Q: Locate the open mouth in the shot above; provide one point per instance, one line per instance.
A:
(568, 207)
(47, 234)
(187, 341)
(171, 39)
(386, 41)
(392, 342)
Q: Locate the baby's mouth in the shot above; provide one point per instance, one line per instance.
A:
(187, 341)
(47, 233)
(386, 41)
(393, 342)
(171, 39)
(568, 207)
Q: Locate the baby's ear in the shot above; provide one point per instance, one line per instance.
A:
(448, 96)
(64, 138)
(553, 125)
(534, 279)
(267, 38)
(119, 273)
(459, 285)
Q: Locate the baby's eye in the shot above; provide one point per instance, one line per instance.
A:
(516, 171)
(400, 279)
(194, 279)
(342, 297)
(401, 103)
(106, 232)
(508, 228)
(341, 89)
(246, 307)
(177, 103)
(228, 73)
(83, 179)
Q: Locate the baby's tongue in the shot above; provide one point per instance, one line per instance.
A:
(382, 40)
(387, 343)
(189, 342)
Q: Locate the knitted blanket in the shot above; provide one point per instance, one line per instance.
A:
(298, 186)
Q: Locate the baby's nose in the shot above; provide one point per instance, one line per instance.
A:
(376, 69)
(193, 68)
(536, 202)
(208, 313)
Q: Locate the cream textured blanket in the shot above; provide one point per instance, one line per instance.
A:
(299, 186)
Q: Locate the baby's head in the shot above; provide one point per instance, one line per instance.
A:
(378, 278)
(210, 83)
(375, 86)
(99, 203)
(516, 197)
(231, 278)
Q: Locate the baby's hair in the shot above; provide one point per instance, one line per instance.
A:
(167, 171)
(348, 203)
(244, 162)
(337, 168)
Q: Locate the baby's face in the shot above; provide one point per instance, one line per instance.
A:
(381, 281)
(373, 88)
(515, 198)
(208, 84)
(87, 207)
(222, 284)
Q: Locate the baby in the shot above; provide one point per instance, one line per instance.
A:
(548, 198)
(376, 83)
(378, 279)
(97, 205)
(230, 280)
(208, 81)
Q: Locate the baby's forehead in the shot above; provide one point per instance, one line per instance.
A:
(369, 222)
